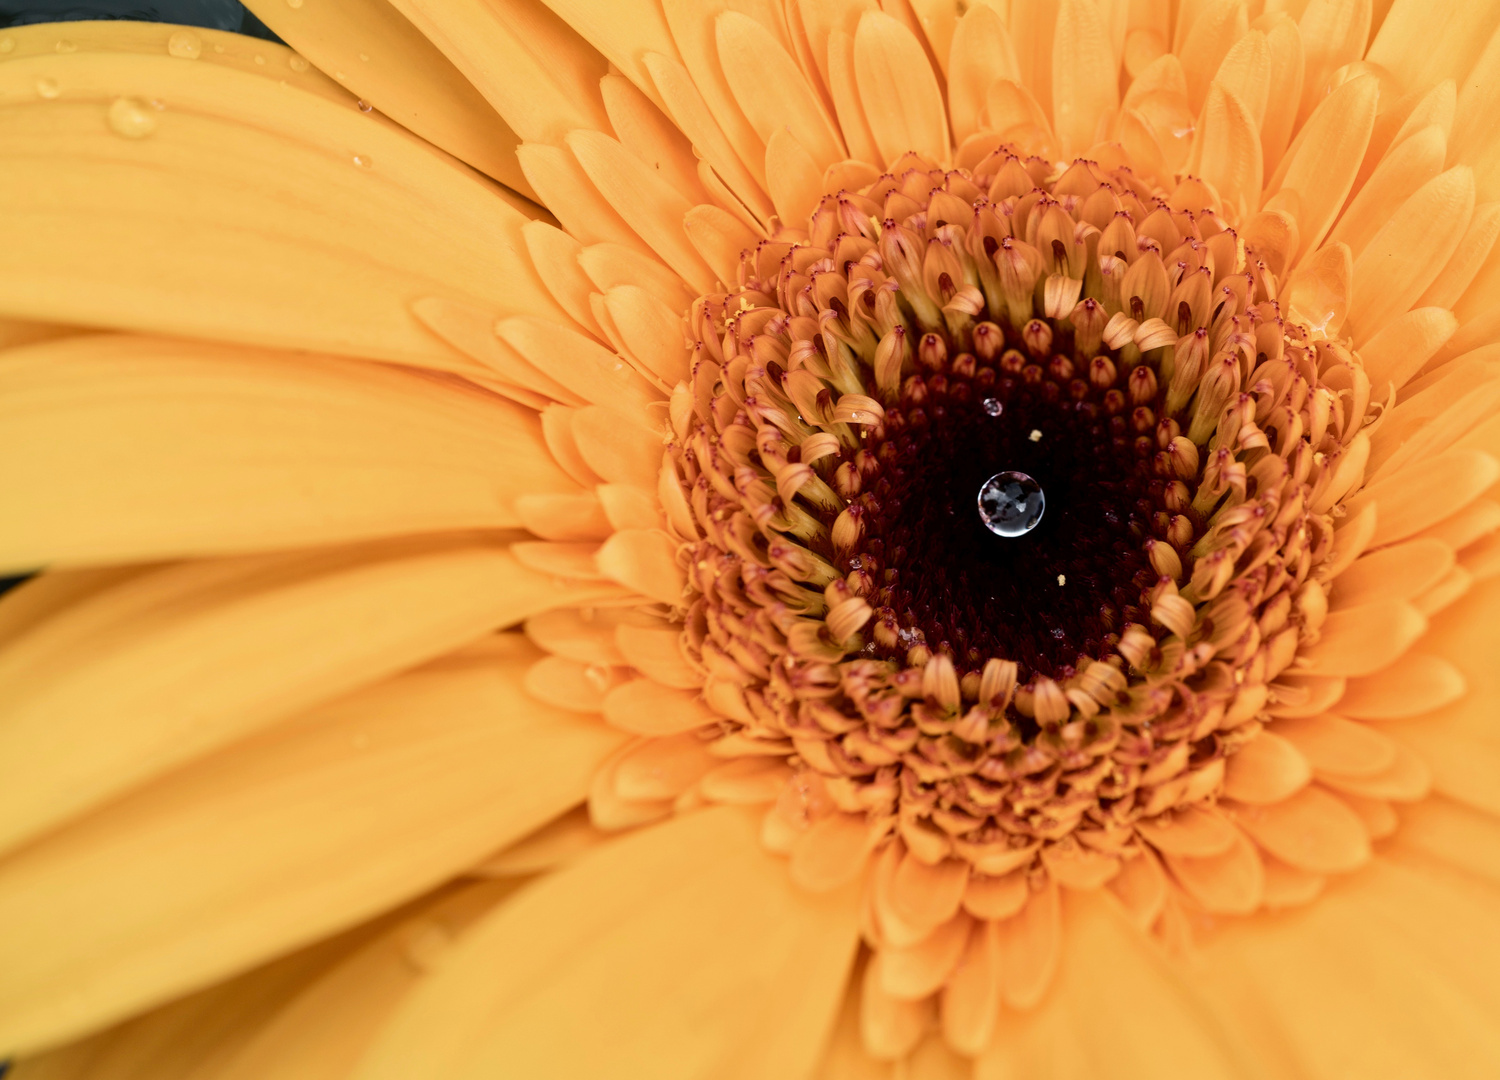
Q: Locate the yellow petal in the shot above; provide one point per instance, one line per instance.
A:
(844, 89)
(1230, 882)
(1030, 25)
(579, 363)
(1285, 96)
(1398, 572)
(1398, 176)
(321, 1032)
(125, 448)
(981, 52)
(1085, 84)
(174, 664)
(644, 560)
(1320, 288)
(171, 232)
(623, 30)
(1395, 354)
(197, 1034)
(1226, 152)
(1389, 977)
(1267, 769)
(793, 177)
(1311, 830)
(1418, 684)
(770, 89)
(1121, 1008)
(1410, 499)
(1335, 745)
(684, 936)
(1468, 260)
(1410, 250)
(1190, 831)
(1212, 35)
(327, 820)
(1334, 33)
(1321, 165)
(644, 199)
(1452, 38)
(1246, 73)
(645, 707)
(898, 90)
(1458, 835)
(1030, 944)
(554, 253)
(561, 182)
(370, 48)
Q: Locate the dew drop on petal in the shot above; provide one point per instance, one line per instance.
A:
(66, 46)
(364, 56)
(992, 406)
(185, 45)
(365, 106)
(1011, 504)
(297, 63)
(131, 118)
(260, 59)
(362, 161)
(7, 44)
(47, 88)
(598, 676)
(293, 3)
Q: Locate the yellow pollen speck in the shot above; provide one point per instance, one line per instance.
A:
(1035, 436)
(1062, 579)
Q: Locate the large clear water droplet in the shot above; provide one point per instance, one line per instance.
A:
(1011, 504)
(131, 119)
(992, 406)
(185, 45)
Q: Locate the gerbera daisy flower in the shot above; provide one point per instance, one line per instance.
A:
(792, 539)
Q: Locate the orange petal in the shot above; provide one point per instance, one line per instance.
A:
(1311, 830)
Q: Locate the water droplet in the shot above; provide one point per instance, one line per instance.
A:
(260, 60)
(362, 161)
(297, 63)
(7, 44)
(992, 406)
(131, 118)
(293, 3)
(218, 48)
(1011, 504)
(365, 106)
(66, 46)
(598, 676)
(47, 88)
(340, 76)
(185, 44)
(364, 56)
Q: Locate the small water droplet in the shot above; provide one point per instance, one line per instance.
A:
(293, 3)
(7, 44)
(992, 406)
(185, 44)
(47, 88)
(1011, 504)
(218, 48)
(362, 161)
(297, 63)
(66, 46)
(131, 118)
(260, 60)
(365, 106)
(598, 676)
(364, 56)
(340, 76)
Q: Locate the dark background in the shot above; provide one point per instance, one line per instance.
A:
(212, 14)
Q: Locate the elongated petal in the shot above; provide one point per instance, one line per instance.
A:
(174, 664)
(898, 90)
(1121, 1008)
(1325, 157)
(367, 46)
(1085, 87)
(679, 951)
(531, 67)
(172, 232)
(123, 448)
(358, 805)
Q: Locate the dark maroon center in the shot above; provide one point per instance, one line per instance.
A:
(1062, 590)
